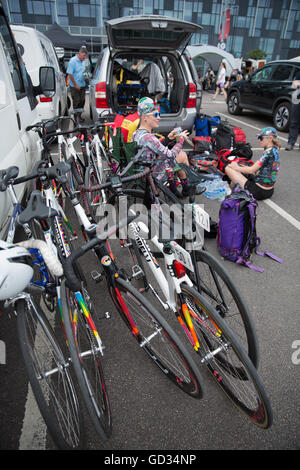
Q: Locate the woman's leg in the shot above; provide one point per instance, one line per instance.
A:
(182, 158)
(235, 176)
(217, 92)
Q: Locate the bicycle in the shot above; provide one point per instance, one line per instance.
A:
(94, 156)
(58, 244)
(210, 336)
(183, 372)
(84, 341)
(44, 353)
(209, 276)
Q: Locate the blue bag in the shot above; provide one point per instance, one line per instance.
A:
(204, 124)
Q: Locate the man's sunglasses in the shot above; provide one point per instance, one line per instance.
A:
(261, 138)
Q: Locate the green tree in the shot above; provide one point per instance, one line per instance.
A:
(256, 54)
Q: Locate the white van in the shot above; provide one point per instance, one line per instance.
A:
(37, 50)
(17, 112)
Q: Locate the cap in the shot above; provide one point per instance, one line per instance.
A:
(268, 132)
(145, 106)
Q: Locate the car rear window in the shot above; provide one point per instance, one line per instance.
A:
(158, 37)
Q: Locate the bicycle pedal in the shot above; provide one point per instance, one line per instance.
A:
(137, 272)
(97, 277)
(125, 245)
(104, 316)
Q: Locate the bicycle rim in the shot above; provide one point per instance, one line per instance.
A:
(157, 339)
(86, 357)
(219, 289)
(228, 363)
(49, 376)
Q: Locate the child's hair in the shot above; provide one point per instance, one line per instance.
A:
(276, 142)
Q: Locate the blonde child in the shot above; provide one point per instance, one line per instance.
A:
(261, 177)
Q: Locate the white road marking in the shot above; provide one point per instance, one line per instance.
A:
(283, 213)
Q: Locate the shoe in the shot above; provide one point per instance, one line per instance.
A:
(289, 147)
(185, 190)
(176, 192)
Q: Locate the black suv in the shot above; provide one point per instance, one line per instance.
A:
(268, 90)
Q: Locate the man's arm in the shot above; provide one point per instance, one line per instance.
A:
(74, 81)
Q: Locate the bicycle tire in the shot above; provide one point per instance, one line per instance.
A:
(154, 334)
(94, 197)
(86, 359)
(227, 361)
(77, 171)
(52, 385)
(218, 287)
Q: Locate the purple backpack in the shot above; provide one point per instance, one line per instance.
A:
(237, 238)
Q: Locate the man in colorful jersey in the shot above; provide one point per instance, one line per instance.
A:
(165, 158)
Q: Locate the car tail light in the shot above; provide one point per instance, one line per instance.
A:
(179, 269)
(45, 99)
(191, 101)
(101, 96)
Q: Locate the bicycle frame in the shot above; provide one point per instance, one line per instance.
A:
(17, 209)
(169, 283)
(64, 245)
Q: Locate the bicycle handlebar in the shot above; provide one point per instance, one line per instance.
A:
(42, 124)
(117, 181)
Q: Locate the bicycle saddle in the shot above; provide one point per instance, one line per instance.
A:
(58, 172)
(6, 175)
(36, 209)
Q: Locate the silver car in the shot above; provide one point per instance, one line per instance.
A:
(146, 56)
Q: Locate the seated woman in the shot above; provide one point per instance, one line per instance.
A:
(166, 158)
(261, 176)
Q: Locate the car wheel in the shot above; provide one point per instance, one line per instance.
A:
(282, 116)
(233, 105)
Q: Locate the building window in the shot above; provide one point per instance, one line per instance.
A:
(14, 6)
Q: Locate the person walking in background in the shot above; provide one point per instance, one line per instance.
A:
(75, 70)
(295, 115)
(221, 81)
(260, 178)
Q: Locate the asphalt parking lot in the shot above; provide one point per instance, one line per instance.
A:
(148, 412)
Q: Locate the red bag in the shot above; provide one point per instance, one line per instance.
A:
(202, 144)
(224, 159)
(239, 136)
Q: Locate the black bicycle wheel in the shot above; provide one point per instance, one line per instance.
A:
(217, 286)
(93, 198)
(227, 361)
(86, 355)
(156, 338)
(49, 375)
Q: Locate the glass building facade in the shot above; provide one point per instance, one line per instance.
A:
(270, 25)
